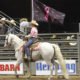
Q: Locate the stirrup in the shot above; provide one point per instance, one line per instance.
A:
(29, 58)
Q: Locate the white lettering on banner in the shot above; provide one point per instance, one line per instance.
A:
(8, 67)
(43, 69)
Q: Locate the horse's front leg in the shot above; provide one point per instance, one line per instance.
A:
(15, 69)
(28, 70)
(19, 57)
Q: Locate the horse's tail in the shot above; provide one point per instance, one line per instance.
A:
(58, 53)
(60, 58)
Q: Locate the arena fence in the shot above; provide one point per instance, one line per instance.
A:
(68, 42)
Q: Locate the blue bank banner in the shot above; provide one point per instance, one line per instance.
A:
(42, 68)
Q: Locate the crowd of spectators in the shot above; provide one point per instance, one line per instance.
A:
(7, 25)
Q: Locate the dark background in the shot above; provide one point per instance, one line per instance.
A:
(22, 8)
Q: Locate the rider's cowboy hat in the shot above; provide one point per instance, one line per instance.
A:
(3, 18)
(33, 22)
(23, 19)
(13, 22)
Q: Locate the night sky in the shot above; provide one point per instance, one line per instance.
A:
(22, 8)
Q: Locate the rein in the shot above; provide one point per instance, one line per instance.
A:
(7, 39)
(8, 44)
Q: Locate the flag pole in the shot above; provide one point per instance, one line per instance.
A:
(32, 10)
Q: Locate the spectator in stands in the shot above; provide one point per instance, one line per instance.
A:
(3, 27)
(32, 36)
(8, 25)
(24, 24)
(13, 22)
(12, 25)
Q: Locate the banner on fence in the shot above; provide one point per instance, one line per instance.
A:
(7, 67)
(43, 69)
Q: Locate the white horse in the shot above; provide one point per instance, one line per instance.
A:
(46, 51)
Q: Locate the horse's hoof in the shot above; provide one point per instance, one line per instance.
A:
(50, 78)
(17, 76)
(28, 79)
(28, 76)
(62, 78)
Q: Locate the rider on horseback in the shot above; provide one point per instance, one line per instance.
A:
(32, 36)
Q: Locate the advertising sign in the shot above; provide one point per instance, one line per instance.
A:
(7, 67)
(42, 68)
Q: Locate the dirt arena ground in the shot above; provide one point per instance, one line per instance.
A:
(36, 78)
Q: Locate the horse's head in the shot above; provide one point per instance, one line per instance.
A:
(8, 40)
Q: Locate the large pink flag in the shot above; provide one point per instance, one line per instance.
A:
(42, 12)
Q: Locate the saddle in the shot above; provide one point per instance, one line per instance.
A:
(34, 46)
